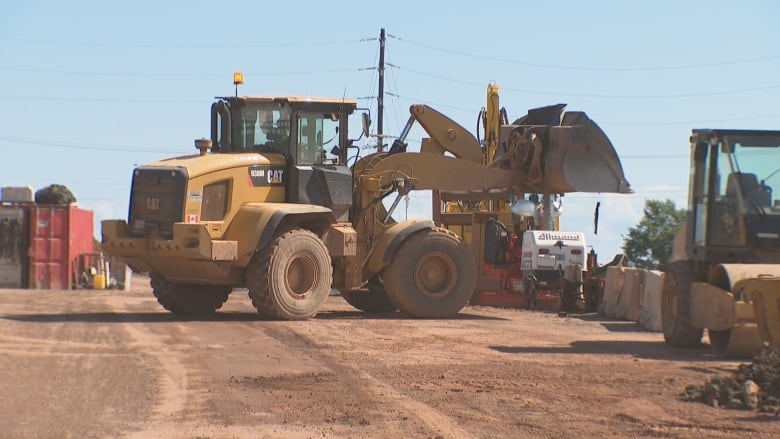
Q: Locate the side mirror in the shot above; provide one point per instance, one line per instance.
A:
(366, 123)
(335, 150)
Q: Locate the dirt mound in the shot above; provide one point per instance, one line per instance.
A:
(753, 386)
(54, 194)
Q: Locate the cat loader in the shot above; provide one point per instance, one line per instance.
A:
(269, 203)
(725, 271)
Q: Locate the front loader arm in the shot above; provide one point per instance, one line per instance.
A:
(446, 135)
(452, 174)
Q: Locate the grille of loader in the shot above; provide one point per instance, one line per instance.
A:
(157, 201)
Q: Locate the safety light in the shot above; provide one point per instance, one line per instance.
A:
(238, 78)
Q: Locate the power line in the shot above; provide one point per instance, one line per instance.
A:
(422, 101)
(177, 46)
(102, 100)
(596, 95)
(84, 146)
(591, 68)
(620, 123)
(68, 181)
(172, 75)
(694, 122)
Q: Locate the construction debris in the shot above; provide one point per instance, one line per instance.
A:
(753, 386)
(54, 194)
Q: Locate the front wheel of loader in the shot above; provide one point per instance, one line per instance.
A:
(291, 278)
(180, 298)
(432, 275)
(676, 306)
(374, 300)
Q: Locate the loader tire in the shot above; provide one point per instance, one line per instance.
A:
(375, 300)
(180, 298)
(290, 278)
(676, 306)
(432, 275)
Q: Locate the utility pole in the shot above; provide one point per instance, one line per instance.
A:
(381, 98)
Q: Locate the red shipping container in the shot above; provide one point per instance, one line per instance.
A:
(58, 235)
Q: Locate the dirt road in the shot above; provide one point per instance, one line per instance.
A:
(113, 364)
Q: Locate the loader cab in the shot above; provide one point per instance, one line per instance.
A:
(311, 134)
(734, 199)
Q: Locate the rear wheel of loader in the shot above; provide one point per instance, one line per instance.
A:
(676, 306)
(432, 275)
(291, 278)
(180, 298)
(375, 300)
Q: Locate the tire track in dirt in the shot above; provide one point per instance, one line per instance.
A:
(165, 355)
(369, 386)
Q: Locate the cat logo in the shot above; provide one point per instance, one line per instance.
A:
(263, 176)
(152, 203)
(275, 176)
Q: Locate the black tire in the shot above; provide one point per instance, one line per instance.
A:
(676, 306)
(375, 300)
(432, 275)
(569, 296)
(291, 278)
(180, 298)
(719, 341)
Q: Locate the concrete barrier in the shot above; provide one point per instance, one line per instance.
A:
(627, 307)
(650, 298)
(613, 284)
(633, 294)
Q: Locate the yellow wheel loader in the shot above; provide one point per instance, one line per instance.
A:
(726, 258)
(269, 203)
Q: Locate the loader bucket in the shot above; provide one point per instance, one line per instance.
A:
(765, 294)
(756, 308)
(559, 151)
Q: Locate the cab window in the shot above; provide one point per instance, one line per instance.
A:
(318, 134)
(264, 128)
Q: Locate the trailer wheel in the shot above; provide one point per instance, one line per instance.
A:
(569, 296)
(180, 298)
(375, 300)
(291, 278)
(676, 306)
(432, 275)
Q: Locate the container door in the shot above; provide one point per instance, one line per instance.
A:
(12, 247)
(48, 247)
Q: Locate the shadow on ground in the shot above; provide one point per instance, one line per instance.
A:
(651, 350)
(163, 317)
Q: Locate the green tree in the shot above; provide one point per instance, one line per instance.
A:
(649, 244)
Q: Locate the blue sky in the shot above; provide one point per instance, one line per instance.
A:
(92, 88)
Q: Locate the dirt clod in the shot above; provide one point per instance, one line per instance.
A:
(753, 386)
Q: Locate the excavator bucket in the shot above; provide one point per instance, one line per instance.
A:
(559, 151)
